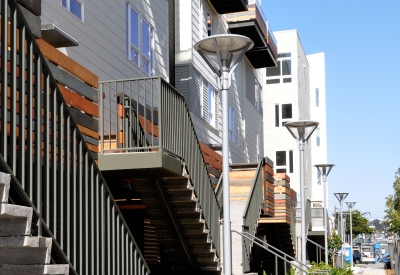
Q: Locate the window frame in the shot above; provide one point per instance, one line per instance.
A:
(68, 8)
(211, 105)
(316, 97)
(279, 120)
(257, 95)
(288, 167)
(281, 78)
(231, 123)
(138, 49)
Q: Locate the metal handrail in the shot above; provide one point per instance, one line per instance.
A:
(283, 256)
(252, 211)
(164, 111)
(51, 166)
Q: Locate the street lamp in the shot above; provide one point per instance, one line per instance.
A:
(301, 130)
(341, 196)
(350, 205)
(223, 53)
(345, 215)
(325, 169)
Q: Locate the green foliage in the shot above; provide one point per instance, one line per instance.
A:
(393, 206)
(334, 242)
(360, 224)
(335, 270)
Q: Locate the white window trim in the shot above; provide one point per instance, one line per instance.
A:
(68, 7)
(258, 92)
(287, 166)
(201, 16)
(282, 120)
(211, 105)
(281, 76)
(231, 123)
(258, 147)
(141, 55)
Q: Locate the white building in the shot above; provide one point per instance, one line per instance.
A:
(318, 113)
(295, 90)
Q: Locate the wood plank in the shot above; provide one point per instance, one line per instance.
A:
(211, 161)
(150, 127)
(34, 6)
(79, 102)
(268, 169)
(212, 171)
(83, 119)
(207, 150)
(74, 83)
(282, 176)
(246, 174)
(67, 63)
(88, 132)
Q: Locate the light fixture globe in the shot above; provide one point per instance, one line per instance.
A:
(301, 129)
(324, 168)
(223, 53)
(350, 204)
(341, 196)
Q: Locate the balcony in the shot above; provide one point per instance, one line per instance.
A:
(227, 6)
(253, 24)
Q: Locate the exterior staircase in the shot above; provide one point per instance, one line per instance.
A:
(21, 253)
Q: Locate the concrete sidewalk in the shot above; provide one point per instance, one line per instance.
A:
(370, 269)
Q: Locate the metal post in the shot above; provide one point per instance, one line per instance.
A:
(225, 171)
(325, 219)
(341, 228)
(351, 237)
(303, 204)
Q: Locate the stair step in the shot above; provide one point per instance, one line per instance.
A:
(184, 199)
(23, 255)
(185, 222)
(61, 269)
(15, 220)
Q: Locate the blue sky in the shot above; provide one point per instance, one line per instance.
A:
(361, 41)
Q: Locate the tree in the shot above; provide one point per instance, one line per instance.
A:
(393, 206)
(360, 224)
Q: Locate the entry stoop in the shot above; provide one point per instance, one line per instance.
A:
(21, 254)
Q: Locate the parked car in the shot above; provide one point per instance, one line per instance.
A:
(356, 256)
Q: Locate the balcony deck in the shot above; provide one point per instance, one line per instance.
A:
(227, 6)
(252, 23)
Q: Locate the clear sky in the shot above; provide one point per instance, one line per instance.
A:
(361, 41)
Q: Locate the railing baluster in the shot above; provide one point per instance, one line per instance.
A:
(38, 141)
(13, 90)
(4, 78)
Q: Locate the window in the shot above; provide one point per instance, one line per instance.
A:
(74, 6)
(209, 25)
(316, 97)
(282, 73)
(283, 114)
(318, 137)
(284, 161)
(231, 124)
(319, 177)
(258, 148)
(139, 53)
(258, 100)
(211, 105)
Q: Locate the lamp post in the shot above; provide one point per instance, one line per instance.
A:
(341, 196)
(345, 215)
(325, 169)
(223, 53)
(350, 205)
(301, 130)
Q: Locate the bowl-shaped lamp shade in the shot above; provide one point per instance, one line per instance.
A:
(302, 129)
(228, 47)
(350, 204)
(324, 168)
(341, 196)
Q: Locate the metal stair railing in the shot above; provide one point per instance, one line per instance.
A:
(168, 127)
(51, 167)
(280, 254)
(252, 211)
(318, 250)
